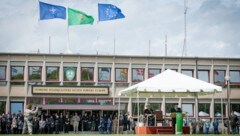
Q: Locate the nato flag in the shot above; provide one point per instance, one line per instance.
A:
(109, 12)
(48, 11)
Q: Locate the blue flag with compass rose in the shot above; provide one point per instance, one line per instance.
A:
(109, 12)
(48, 11)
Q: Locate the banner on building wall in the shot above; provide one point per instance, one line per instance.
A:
(95, 90)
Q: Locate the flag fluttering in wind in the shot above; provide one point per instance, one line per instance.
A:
(48, 11)
(76, 17)
(109, 12)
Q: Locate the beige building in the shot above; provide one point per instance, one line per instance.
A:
(90, 83)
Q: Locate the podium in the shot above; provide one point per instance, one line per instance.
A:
(179, 121)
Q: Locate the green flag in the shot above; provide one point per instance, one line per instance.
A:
(76, 17)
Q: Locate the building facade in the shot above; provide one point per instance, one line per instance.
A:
(90, 83)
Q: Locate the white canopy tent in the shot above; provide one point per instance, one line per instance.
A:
(170, 81)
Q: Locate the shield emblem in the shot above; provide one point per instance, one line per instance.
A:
(70, 74)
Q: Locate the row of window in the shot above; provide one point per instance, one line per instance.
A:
(203, 108)
(104, 74)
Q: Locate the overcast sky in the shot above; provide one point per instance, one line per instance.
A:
(213, 28)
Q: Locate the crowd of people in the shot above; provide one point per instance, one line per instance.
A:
(33, 123)
(204, 126)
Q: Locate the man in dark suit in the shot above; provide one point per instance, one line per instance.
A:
(149, 114)
(174, 110)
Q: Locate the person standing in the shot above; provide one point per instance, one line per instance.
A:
(35, 125)
(61, 122)
(76, 120)
(207, 126)
(93, 122)
(174, 110)
(109, 125)
(97, 121)
(14, 125)
(20, 125)
(201, 126)
(85, 122)
(233, 122)
(28, 118)
(56, 122)
(238, 126)
(51, 124)
(215, 127)
(42, 125)
(125, 121)
(115, 125)
(67, 125)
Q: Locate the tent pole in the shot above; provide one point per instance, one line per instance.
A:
(118, 114)
(222, 111)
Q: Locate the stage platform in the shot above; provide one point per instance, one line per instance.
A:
(159, 130)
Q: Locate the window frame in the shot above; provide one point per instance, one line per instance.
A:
(22, 79)
(208, 71)
(34, 98)
(53, 80)
(47, 99)
(92, 74)
(5, 74)
(143, 70)
(153, 69)
(191, 70)
(121, 81)
(35, 79)
(192, 109)
(218, 83)
(199, 110)
(230, 76)
(99, 80)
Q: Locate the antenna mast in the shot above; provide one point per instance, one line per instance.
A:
(184, 51)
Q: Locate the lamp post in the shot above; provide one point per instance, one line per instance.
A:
(227, 78)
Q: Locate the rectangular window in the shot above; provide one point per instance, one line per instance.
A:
(137, 74)
(17, 73)
(104, 74)
(87, 74)
(16, 107)
(88, 101)
(187, 72)
(33, 100)
(203, 75)
(218, 110)
(70, 100)
(155, 106)
(153, 72)
(53, 100)
(204, 109)
(52, 73)
(235, 107)
(121, 74)
(135, 108)
(187, 108)
(169, 107)
(234, 76)
(70, 73)
(2, 72)
(2, 107)
(219, 76)
(105, 101)
(35, 73)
